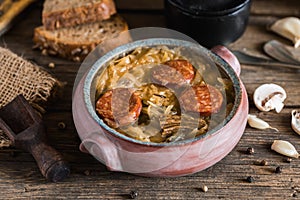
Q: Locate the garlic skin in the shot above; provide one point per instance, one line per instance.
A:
(289, 28)
(285, 148)
(255, 122)
(269, 97)
(295, 122)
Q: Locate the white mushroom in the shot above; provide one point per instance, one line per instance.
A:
(296, 121)
(289, 28)
(269, 96)
(255, 122)
(285, 148)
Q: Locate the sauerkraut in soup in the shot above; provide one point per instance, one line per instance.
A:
(156, 94)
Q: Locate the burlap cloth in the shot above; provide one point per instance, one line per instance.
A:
(18, 76)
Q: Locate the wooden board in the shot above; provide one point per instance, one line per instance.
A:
(89, 179)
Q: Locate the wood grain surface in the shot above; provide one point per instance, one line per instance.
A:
(20, 177)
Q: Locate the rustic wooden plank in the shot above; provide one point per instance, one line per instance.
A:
(276, 8)
(223, 179)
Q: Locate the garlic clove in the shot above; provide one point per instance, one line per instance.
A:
(295, 122)
(289, 28)
(269, 97)
(255, 122)
(285, 148)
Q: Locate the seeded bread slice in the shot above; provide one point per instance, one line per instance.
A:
(64, 13)
(76, 42)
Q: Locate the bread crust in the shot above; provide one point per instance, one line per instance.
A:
(76, 51)
(79, 15)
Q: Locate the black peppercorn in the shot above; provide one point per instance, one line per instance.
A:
(289, 160)
(133, 194)
(278, 170)
(250, 179)
(250, 150)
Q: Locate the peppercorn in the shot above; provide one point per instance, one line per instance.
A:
(51, 65)
(204, 188)
(133, 194)
(294, 194)
(264, 163)
(278, 170)
(61, 125)
(87, 172)
(250, 150)
(289, 160)
(250, 179)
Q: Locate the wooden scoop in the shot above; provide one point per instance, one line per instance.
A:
(25, 128)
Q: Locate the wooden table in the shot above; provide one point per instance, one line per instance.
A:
(21, 179)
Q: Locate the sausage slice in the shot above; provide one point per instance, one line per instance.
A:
(174, 72)
(119, 107)
(204, 99)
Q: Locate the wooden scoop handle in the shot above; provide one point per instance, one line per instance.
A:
(50, 161)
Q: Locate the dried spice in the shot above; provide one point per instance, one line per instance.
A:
(61, 125)
(133, 194)
(87, 172)
(51, 65)
(294, 194)
(250, 179)
(250, 150)
(278, 170)
(204, 188)
(288, 160)
(264, 163)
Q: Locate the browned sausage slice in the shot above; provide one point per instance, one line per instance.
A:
(204, 99)
(119, 107)
(174, 72)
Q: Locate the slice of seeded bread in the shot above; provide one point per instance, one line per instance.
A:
(76, 43)
(68, 13)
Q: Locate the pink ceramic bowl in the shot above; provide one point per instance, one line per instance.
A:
(121, 153)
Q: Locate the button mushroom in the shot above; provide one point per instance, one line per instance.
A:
(268, 97)
(296, 121)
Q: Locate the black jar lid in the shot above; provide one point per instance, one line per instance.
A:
(208, 7)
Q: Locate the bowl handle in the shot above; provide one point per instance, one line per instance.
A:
(103, 150)
(229, 57)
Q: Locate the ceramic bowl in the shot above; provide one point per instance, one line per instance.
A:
(209, 22)
(121, 153)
